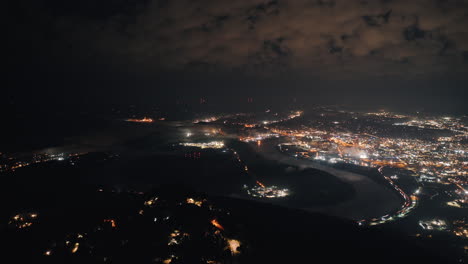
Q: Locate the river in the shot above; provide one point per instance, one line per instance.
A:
(371, 199)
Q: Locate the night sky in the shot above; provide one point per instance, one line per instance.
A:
(406, 55)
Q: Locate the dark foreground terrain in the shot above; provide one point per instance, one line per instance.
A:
(176, 225)
(54, 214)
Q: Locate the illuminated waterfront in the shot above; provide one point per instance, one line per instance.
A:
(432, 154)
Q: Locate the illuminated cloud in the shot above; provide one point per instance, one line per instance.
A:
(323, 36)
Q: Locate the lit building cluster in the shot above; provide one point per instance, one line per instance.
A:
(216, 231)
(386, 114)
(428, 159)
(435, 161)
(460, 228)
(293, 115)
(434, 224)
(12, 163)
(21, 221)
(169, 225)
(196, 202)
(259, 190)
(250, 121)
(206, 120)
(205, 145)
(142, 120)
(262, 191)
(176, 237)
(446, 123)
(258, 137)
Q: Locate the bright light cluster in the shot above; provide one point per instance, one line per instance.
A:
(21, 221)
(259, 191)
(212, 144)
(434, 224)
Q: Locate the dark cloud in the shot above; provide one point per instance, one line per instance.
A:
(324, 36)
(413, 32)
(377, 20)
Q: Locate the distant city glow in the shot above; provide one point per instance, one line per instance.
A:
(205, 145)
(262, 191)
(143, 120)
